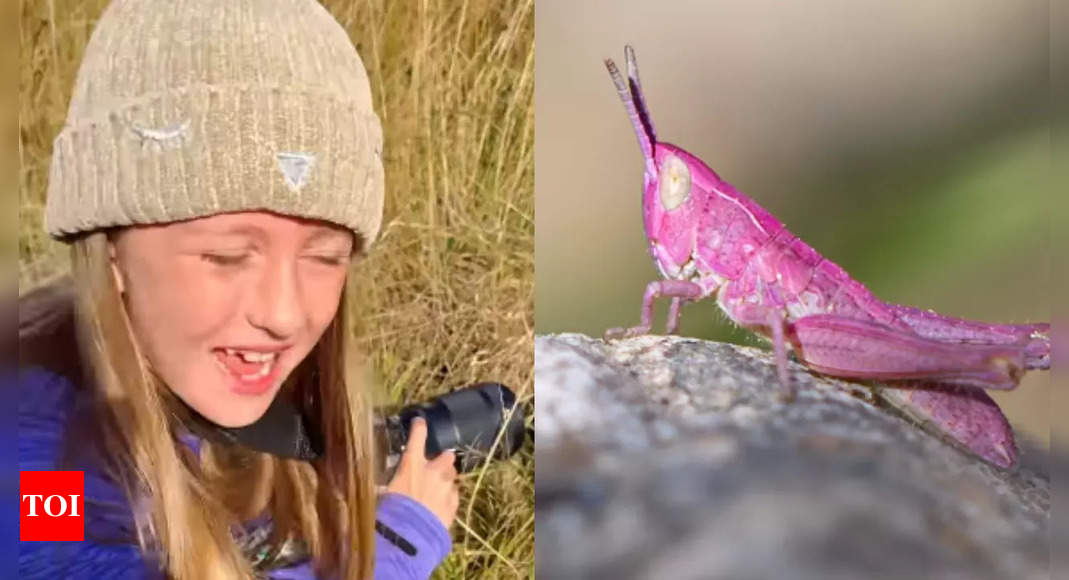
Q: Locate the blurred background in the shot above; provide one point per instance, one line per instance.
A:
(907, 142)
(447, 292)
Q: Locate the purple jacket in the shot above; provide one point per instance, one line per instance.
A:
(410, 542)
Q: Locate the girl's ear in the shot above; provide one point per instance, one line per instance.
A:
(114, 264)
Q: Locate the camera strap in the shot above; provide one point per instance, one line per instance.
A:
(282, 430)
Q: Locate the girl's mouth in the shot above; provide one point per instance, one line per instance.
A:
(253, 372)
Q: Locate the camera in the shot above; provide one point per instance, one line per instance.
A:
(468, 421)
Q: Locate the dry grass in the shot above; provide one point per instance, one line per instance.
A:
(448, 288)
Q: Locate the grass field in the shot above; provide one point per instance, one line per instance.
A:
(448, 289)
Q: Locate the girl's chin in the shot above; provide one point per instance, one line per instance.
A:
(235, 411)
(224, 403)
(232, 419)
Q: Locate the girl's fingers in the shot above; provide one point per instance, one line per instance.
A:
(445, 464)
(417, 442)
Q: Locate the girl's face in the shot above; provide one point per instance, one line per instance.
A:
(225, 307)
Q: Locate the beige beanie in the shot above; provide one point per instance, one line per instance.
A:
(190, 108)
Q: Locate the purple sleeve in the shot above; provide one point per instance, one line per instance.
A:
(410, 542)
(406, 526)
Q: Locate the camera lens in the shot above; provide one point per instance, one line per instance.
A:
(467, 420)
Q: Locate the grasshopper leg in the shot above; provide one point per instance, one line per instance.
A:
(755, 316)
(1034, 337)
(676, 289)
(672, 327)
(779, 349)
(848, 347)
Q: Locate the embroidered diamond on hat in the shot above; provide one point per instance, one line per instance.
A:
(296, 167)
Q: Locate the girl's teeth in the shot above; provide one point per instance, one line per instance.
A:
(266, 368)
(257, 356)
(250, 356)
(268, 360)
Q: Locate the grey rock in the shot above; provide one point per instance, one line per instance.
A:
(667, 457)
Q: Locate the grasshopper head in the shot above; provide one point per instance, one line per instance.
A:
(667, 172)
(668, 177)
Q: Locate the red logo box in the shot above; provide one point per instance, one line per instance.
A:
(52, 506)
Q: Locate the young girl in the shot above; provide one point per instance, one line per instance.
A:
(218, 177)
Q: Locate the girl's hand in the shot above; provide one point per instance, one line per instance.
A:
(432, 483)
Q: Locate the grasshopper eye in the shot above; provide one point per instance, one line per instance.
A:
(675, 182)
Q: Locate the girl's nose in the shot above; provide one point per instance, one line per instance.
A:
(277, 306)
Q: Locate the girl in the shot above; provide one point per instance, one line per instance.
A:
(218, 177)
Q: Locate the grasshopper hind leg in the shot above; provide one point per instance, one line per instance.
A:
(860, 349)
(1033, 338)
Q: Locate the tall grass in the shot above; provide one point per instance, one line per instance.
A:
(448, 288)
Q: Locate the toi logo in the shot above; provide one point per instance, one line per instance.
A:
(51, 506)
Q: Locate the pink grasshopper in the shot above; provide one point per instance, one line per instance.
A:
(708, 239)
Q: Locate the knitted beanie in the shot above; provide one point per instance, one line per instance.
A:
(189, 108)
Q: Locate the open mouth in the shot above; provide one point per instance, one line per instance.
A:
(245, 365)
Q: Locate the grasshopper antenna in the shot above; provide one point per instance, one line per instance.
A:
(642, 130)
(637, 94)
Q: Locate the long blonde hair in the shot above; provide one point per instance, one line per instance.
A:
(184, 506)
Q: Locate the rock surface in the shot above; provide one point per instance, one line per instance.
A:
(666, 457)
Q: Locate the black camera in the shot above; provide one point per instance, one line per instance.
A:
(468, 421)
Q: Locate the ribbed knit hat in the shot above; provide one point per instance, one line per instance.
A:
(190, 108)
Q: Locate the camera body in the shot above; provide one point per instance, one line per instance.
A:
(468, 421)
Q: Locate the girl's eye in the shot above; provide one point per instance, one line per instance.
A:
(225, 260)
(331, 260)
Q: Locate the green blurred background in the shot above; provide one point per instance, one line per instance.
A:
(908, 142)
